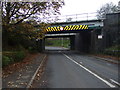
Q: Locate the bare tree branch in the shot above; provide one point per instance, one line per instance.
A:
(105, 9)
(19, 11)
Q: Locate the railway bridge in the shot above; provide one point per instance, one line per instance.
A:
(82, 34)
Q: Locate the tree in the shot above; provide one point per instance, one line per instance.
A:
(15, 12)
(105, 9)
(118, 6)
(69, 19)
(20, 18)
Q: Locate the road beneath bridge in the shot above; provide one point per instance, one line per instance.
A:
(69, 69)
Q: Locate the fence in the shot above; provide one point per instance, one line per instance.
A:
(71, 18)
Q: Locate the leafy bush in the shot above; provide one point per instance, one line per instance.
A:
(116, 47)
(113, 51)
(10, 57)
(18, 56)
(6, 60)
(32, 49)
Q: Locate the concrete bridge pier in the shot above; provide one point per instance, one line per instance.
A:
(83, 42)
(72, 42)
(93, 42)
(41, 45)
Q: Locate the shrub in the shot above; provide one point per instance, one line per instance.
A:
(18, 56)
(112, 52)
(32, 49)
(11, 57)
(5, 60)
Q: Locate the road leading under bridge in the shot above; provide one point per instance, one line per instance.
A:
(69, 69)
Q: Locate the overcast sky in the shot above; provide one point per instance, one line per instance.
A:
(83, 6)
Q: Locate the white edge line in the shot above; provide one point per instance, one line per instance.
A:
(105, 81)
(29, 84)
(115, 82)
(81, 62)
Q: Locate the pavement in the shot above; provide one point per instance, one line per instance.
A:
(69, 69)
(22, 77)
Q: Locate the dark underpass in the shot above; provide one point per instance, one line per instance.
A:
(81, 41)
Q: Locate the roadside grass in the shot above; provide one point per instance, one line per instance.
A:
(112, 52)
(116, 47)
(58, 42)
(10, 57)
(16, 54)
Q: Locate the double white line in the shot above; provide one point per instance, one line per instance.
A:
(105, 81)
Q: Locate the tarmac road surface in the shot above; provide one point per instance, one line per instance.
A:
(69, 69)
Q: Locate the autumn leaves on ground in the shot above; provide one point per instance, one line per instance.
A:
(15, 66)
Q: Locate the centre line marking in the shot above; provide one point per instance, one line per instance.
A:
(105, 81)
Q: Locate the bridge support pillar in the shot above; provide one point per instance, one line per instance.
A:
(83, 42)
(41, 45)
(72, 43)
(93, 42)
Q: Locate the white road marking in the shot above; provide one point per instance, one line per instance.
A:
(105, 81)
(81, 62)
(115, 82)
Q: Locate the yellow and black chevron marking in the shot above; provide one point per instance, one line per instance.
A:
(66, 28)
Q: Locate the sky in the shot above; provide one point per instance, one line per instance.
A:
(83, 6)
